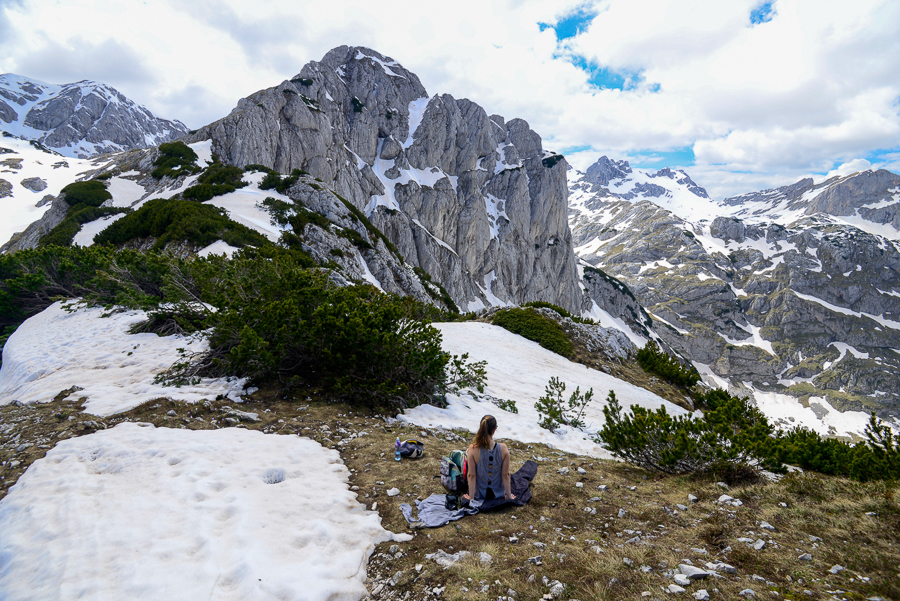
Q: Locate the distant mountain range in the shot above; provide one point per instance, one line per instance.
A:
(790, 295)
(79, 119)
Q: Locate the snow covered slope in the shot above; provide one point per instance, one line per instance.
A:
(30, 176)
(609, 180)
(79, 119)
(137, 512)
(867, 200)
(519, 370)
(112, 368)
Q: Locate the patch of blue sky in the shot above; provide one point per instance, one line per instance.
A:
(762, 13)
(574, 149)
(573, 24)
(884, 155)
(655, 159)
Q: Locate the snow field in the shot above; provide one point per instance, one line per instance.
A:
(57, 349)
(137, 512)
(19, 211)
(519, 370)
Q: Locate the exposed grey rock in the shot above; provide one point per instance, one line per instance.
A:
(444, 559)
(35, 184)
(746, 313)
(805, 557)
(836, 569)
(747, 592)
(48, 198)
(470, 201)
(676, 589)
(759, 545)
(5, 188)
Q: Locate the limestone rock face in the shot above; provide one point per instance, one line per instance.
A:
(469, 198)
(5, 188)
(80, 119)
(793, 291)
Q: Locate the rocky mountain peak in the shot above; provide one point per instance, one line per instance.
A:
(79, 119)
(474, 200)
(606, 170)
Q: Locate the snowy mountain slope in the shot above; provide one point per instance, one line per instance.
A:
(519, 370)
(30, 176)
(867, 200)
(791, 304)
(608, 180)
(79, 119)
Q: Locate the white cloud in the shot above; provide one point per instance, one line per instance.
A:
(813, 87)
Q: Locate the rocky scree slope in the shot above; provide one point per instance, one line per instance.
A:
(793, 291)
(79, 119)
(470, 198)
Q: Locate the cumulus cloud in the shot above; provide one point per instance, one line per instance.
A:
(810, 86)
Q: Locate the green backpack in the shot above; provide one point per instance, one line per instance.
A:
(453, 473)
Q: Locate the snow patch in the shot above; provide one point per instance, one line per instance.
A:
(222, 514)
(519, 370)
(59, 348)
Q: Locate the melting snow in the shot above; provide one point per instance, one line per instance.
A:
(85, 236)
(416, 112)
(519, 370)
(58, 348)
(137, 512)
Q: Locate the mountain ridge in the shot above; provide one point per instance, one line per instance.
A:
(80, 119)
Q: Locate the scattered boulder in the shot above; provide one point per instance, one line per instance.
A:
(444, 559)
(35, 184)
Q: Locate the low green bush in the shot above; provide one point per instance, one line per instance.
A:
(732, 435)
(731, 431)
(170, 220)
(534, 326)
(91, 193)
(655, 361)
(555, 412)
(84, 200)
(277, 321)
(175, 159)
(216, 180)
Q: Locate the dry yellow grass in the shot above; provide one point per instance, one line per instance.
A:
(856, 525)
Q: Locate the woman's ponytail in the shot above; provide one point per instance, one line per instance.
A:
(485, 430)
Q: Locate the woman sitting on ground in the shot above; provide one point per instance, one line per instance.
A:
(487, 471)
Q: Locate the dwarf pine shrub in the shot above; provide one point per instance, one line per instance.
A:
(655, 361)
(536, 327)
(175, 159)
(555, 412)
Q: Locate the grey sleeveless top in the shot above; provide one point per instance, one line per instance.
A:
(488, 474)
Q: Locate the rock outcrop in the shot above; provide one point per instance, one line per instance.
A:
(470, 198)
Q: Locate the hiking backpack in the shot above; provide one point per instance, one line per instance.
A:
(453, 473)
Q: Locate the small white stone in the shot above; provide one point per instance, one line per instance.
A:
(393, 492)
(675, 589)
(579, 485)
(581, 471)
(682, 580)
(701, 595)
(805, 557)
(836, 569)
(692, 499)
(767, 526)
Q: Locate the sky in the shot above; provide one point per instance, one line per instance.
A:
(742, 94)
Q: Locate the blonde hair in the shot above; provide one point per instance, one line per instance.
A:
(485, 430)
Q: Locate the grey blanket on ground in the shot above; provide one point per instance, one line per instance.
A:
(432, 512)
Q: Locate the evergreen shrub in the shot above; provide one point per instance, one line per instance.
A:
(175, 159)
(170, 220)
(534, 326)
(655, 361)
(555, 412)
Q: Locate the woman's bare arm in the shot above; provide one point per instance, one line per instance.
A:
(472, 460)
(505, 472)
